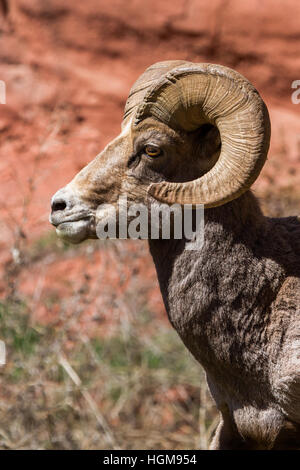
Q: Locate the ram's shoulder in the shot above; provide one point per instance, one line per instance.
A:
(287, 388)
(287, 366)
(288, 298)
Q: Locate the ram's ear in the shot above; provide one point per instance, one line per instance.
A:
(207, 145)
(211, 141)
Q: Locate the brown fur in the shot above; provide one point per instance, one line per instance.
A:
(235, 303)
(236, 306)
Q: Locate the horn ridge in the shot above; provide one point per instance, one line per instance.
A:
(188, 95)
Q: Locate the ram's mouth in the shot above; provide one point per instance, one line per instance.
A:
(73, 229)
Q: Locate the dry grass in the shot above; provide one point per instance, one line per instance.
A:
(136, 388)
(133, 391)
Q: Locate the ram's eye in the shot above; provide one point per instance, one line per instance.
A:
(152, 151)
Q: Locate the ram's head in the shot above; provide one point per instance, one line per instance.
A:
(191, 134)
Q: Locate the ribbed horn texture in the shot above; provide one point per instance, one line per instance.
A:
(150, 77)
(184, 96)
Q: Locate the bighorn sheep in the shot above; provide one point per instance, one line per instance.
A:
(199, 134)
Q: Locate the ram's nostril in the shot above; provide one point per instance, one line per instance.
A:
(58, 206)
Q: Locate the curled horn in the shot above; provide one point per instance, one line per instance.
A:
(191, 95)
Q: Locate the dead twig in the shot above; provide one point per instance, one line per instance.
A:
(89, 399)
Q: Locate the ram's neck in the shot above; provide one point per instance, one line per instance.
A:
(217, 298)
